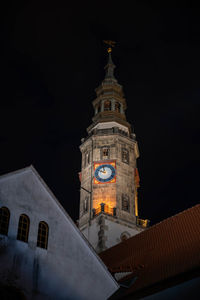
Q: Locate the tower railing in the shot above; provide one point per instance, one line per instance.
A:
(143, 223)
(105, 209)
(109, 131)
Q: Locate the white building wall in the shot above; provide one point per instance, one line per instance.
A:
(112, 231)
(69, 268)
(91, 233)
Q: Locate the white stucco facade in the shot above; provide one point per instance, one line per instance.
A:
(69, 268)
(111, 230)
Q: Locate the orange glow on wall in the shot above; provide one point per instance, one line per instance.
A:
(108, 210)
(111, 181)
(137, 178)
(104, 195)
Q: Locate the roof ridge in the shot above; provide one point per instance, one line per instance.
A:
(159, 223)
(174, 216)
(17, 171)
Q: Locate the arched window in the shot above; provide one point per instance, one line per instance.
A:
(43, 231)
(117, 106)
(4, 220)
(124, 236)
(23, 228)
(107, 105)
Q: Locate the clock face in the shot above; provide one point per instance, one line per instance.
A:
(104, 173)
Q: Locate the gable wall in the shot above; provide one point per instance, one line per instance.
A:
(69, 267)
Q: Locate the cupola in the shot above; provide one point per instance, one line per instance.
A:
(110, 103)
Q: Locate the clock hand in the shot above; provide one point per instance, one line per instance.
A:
(103, 170)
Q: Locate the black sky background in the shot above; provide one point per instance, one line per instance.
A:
(52, 59)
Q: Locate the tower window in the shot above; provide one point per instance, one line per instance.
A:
(84, 160)
(4, 220)
(85, 205)
(125, 155)
(23, 228)
(43, 231)
(99, 108)
(125, 203)
(105, 152)
(107, 105)
(87, 159)
(117, 106)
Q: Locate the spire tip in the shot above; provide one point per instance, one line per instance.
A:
(111, 45)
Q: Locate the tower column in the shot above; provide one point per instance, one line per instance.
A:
(112, 104)
(121, 109)
(102, 106)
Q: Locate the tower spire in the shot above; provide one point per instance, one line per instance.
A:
(110, 68)
(110, 65)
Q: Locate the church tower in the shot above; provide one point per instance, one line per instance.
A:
(108, 195)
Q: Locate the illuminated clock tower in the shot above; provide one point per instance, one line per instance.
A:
(108, 195)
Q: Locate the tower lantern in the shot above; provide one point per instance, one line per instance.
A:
(108, 212)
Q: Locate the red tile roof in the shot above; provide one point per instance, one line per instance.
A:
(163, 251)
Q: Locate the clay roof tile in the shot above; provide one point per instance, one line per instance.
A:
(165, 250)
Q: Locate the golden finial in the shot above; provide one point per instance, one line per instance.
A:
(111, 44)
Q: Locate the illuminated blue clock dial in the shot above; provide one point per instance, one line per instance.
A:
(105, 173)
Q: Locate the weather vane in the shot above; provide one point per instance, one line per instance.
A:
(111, 44)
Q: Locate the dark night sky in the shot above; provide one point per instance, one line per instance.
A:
(52, 59)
